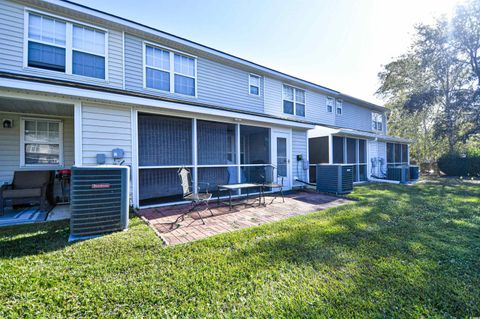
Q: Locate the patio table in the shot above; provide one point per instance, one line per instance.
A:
(233, 187)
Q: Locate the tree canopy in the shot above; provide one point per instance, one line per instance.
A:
(433, 89)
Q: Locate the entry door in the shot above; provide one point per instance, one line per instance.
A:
(281, 156)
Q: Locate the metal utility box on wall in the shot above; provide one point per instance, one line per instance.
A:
(99, 200)
(398, 173)
(334, 178)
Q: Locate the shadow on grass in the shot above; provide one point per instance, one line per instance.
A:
(33, 239)
(400, 248)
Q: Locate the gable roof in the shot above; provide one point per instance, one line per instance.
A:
(221, 54)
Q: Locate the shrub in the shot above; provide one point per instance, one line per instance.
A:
(458, 165)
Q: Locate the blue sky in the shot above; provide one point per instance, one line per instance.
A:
(340, 44)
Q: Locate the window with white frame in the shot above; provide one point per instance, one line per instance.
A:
(339, 107)
(254, 84)
(293, 101)
(157, 70)
(184, 74)
(46, 43)
(377, 122)
(41, 142)
(330, 103)
(88, 52)
(48, 47)
(170, 72)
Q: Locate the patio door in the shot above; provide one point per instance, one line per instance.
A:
(281, 144)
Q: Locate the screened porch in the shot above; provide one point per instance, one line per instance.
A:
(215, 152)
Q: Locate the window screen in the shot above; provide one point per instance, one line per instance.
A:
(404, 153)
(254, 145)
(164, 140)
(398, 153)
(216, 143)
(362, 151)
(351, 151)
(390, 152)
(338, 150)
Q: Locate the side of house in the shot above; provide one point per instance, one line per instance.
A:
(78, 82)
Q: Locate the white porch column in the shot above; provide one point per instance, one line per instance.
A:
(78, 138)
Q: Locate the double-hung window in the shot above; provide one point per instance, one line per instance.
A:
(330, 103)
(254, 84)
(46, 43)
(63, 46)
(157, 69)
(339, 107)
(41, 142)
(377, 122)
(184, 74)
(88, 52)
(170, 72)
(293, 101)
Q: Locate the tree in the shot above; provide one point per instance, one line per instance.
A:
(434, 88)
(466, 31)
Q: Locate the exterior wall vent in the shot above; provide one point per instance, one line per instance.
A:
(99, 200)
(334, 178)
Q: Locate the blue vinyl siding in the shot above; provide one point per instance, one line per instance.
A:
(315, 103)
(217, 83)
(354, 117)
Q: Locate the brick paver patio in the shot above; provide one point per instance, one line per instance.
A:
(162, 219)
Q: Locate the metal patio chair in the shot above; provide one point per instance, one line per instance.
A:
(271, 179)
(196, 197)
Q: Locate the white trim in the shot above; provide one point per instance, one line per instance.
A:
(330, 149)
(195, 154)
(136, 101)
(67, 20)
(68, 46)
(60, 143)
(376, 120)
(329, 98)
(123, 60)
(250, 75)
(39, 115)
(294, 101)
(135, 171)
(78, 134)
(171, 71)
(287, 134)
(338, 106)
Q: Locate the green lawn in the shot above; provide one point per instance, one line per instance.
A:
(400, 251)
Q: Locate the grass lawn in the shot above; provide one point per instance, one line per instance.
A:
(400, 251)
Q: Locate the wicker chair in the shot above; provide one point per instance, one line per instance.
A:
(27, 187)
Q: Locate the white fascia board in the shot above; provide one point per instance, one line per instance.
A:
(77, 93)
(320, 131)
(191, 44)
(372, 136)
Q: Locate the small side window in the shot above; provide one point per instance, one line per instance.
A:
(339, 107)
(330, 103)
(254, 84)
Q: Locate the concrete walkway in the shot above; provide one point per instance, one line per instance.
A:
(162, 220)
